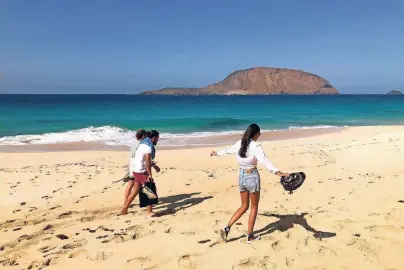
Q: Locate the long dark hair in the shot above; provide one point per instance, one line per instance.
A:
(250, 133)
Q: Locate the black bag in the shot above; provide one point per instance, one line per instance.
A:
(144, 200)
(293, 181)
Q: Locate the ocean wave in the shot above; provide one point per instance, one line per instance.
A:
(116, 136)
(313, 127)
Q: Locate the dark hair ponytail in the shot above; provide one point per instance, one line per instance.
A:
(250, 133)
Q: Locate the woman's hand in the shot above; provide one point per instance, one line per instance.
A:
(279, 173)
(213, 154)
(157, 168)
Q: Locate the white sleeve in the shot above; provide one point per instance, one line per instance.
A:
(261, 157)
(133, 148)
(147, 149)
(144, 149)
(229, 150)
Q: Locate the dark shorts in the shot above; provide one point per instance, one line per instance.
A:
(141, 178)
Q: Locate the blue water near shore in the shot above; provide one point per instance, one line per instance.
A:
(37, 119)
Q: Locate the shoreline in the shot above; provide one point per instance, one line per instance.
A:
(187, 142)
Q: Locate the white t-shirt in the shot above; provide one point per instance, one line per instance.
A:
(133, 148)
(254, 154)
(138, 163)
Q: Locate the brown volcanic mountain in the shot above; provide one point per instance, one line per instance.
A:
(259, 81)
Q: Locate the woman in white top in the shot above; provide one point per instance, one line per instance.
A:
(248, 154)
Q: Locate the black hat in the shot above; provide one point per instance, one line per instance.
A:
(293, 181)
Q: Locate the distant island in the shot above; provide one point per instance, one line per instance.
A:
(394, 92)
(259, 81)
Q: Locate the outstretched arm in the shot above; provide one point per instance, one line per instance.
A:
(229, 150)
(262, 158)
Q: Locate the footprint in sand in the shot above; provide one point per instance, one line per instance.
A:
(364, 246)
(190, 232)
(245, 263)
(119, 237)
(62, 236)
(99, 256)
(303, 245)
(204, 241)
(78, 253)
(44, 263)
(324, 251)
(46, 249)
(12, 259)
(47, 227)
(9, 262)
(139, 230)
(106, 229)
(33, 208)
(276, 246)
(75, 244)
(289, 262)
(66, 214)
(264, 263)
(140, 260)
(185, 261)
(255, 263)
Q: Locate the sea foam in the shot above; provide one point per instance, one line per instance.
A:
(112, 135)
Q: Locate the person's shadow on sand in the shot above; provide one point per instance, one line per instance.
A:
(174, 203)
(287, 222)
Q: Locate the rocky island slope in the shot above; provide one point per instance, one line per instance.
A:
(394, 92)
(259, 81)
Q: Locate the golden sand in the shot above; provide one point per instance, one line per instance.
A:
(59, 209)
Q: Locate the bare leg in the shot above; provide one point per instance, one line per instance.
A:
(128, 189)
(132, 196)
(255, 198)
(243, 208)
(150, 212)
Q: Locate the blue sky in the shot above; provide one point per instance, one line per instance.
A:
(87, 46)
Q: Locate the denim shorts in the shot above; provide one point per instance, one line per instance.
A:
(249, 181)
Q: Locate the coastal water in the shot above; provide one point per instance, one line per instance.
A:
(46, 119)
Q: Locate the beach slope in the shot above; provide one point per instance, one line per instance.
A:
(59, 209)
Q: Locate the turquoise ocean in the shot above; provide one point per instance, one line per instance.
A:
(113, 119)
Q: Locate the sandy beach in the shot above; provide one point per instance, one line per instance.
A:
(59, 208)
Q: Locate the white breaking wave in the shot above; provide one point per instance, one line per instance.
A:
(312, 127)
(105, 134)
(116, 136)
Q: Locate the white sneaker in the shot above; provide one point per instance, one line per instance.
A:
(251, 238)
